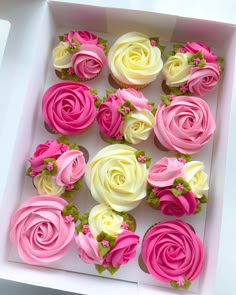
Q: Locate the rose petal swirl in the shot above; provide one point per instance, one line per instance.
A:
(133, 60)
(185, 125)
(68, 107)
(115, 177)
(39, 230)
(171, 249)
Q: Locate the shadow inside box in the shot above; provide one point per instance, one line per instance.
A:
(13, 288)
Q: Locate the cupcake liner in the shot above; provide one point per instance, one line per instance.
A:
(124, 85)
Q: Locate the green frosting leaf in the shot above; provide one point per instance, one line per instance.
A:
(174, 285)
(104, 236)
(179, 181)
(73, 146)
(186, 285)
(153, 200)
(63, 139)
(169, 54)
(141, 153)
(198, 209)
(61, 38)
(78, 184)
(45, 171)
(176, 47)
(198, 55)
(175, 90)
(110, 91)
(115, 141)
(165, 99)
(203, 199)
(83, 221)
(99, 268)
(70, 209)
(127, 219)
(68, 194)
(112, 270)
(129, 106)
(27, 173)
(220, 62)
(186, 157)
(93, 91)
(103, 250)
(103, 42)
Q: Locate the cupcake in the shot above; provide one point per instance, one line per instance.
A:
(173, 253)
(69, 108)
(57, 167)
(106, 238)
(183, 123)
(79, 56)
(126, 116)
(43, 229)
(177, 187)
(192, 69)
(117, 176)
(135, 60)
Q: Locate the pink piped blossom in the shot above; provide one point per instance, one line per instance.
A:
(156, 191)
(142, 159)
(68, 218)
(180, 281)
(105, 243)
(184, 88)
(126, 109)
(124, 225)
(171, 97)
(179, 187)
(64, 148)
(33, 174)
(119, 136)
(153, 43)
(196, 61)
(182, 50)
(182, 160)
(73, 45)
(70, 71)
(50, 166)
(69, 187)
(85, 229)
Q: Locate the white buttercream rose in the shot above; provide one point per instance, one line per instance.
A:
(133, 60)
(138, 127)
(196, 177)
(45, 184)
(61, 57)
(115, 177)
(177, 70)
(102, 218)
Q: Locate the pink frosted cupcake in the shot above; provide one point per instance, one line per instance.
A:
(183, 123)
(177, 187)
(192, 69)
(106, 238)
(69, 107)
(126, 116)
(173, 253)
(79, 56)
(43, 229)
(57, 168)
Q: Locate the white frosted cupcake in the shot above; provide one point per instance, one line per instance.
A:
(117, 176)
(135, 60)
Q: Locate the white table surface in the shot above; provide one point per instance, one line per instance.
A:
(23, 13)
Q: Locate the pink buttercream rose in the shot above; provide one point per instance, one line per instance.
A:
(194, 47)
(71, 167)
(39, 230)
(164, 172)
(68, 107)
(171, 250)
(124, 249)
(83, 37)
(49, 149)
(87, 247)
(109, 118)
(138, 100)
(185, 125)
(88, 61)
(177, 206)
(203, 80)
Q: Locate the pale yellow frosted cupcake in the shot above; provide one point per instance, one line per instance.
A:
(135, 60)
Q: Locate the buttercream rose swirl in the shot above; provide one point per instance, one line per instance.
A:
(68, 108)
(133, 60)
(185, 125)
(39, 230)
(115, 177)
(173, 253)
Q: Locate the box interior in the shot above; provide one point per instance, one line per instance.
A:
(59, 18)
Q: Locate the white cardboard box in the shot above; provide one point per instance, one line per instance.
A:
(4, 31)
(59, 16)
